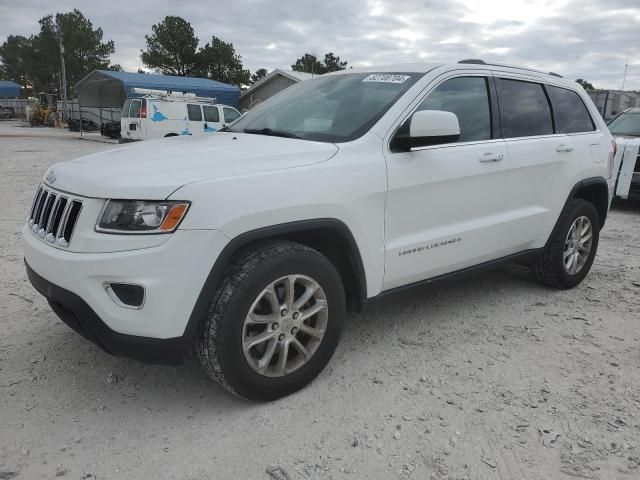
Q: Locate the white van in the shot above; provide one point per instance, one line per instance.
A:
(169, 115)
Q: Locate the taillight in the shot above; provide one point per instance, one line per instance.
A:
(143, 109)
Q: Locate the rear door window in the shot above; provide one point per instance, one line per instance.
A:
(195, 113)
(125, 109)
(570, 113)
(230, 114)
(211, 113)
(524, 109)
(134, 112)
(468, 98)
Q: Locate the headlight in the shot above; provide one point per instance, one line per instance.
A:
(141, 216)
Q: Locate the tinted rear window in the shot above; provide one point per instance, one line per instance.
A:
(125, 108)
(135, 109)
(211, 113)
(569, 111)
(195, 113)
(524, 109)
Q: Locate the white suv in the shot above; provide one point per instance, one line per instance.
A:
(252, 243)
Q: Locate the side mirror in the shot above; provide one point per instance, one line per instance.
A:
(428, 127)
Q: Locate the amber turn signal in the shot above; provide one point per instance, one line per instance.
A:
(174, 217)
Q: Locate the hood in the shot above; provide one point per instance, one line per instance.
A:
(622, 139)
(151, 170)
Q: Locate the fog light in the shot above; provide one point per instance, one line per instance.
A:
(126, 295)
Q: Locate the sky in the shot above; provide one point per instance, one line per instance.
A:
(587, 39)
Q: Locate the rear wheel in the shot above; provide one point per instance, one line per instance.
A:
(274, 321)
(51, 119)
(568, 257)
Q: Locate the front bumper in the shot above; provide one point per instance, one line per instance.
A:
(78, 315)
(172, 273)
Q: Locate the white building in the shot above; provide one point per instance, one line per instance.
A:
(612, 102)
(268, 86)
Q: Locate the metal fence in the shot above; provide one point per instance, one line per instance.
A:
(19, 105)
(95, 114)
(611, 102)
(72, 111)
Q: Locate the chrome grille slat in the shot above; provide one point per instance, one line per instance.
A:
(53, 216)
(32, 212)
(36, 218)
(57, 217)
(72, 218)
(63, 219)
(46, 213)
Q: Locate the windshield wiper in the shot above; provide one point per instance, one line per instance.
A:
(271, 132)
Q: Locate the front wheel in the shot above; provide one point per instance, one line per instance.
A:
(274, 321)
(569, 254)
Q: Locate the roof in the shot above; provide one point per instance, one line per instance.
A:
(423, 68)
(162, 82)
(293, 75)
(400, 67)
(107, 88)
(290, 74)
(9, 89)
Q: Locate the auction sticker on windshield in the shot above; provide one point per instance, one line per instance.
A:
(386, 78)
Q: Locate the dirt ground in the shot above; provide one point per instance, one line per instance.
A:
(488, 377)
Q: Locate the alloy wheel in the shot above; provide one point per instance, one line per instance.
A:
(578, 245)
(285, 325)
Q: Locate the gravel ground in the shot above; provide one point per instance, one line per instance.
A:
(491, 376)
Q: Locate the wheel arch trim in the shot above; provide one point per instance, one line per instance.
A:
(601, 182)
(242, 240)
(582, 184)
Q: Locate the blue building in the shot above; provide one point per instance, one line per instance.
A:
(10, 89)
(110, 89)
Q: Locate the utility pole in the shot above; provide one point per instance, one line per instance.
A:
(63, 72)
(624, 78)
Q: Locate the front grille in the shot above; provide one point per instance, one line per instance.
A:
(53, 216)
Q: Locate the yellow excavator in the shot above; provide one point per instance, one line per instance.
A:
(44, 110)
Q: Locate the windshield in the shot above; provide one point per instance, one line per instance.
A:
(332, 108)
(626, 124)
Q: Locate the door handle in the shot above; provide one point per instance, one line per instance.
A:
(491, 157)
(564, 148)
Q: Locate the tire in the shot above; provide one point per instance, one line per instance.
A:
(222, 336)
(549, 269)
(51, 119)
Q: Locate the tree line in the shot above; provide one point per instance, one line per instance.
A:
(172, 48)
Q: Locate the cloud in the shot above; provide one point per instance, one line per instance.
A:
(576, 38)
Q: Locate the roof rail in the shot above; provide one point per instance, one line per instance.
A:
(171, 96)
(473, 61)
(477, 61)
